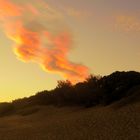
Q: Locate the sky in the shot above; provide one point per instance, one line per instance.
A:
(43, 41)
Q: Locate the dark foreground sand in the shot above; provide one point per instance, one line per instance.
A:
(74, 123)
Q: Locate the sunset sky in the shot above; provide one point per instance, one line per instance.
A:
(91, 36)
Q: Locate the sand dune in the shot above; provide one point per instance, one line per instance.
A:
(74, 123)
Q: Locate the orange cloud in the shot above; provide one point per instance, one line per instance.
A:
(39, 42)
(128, 23)
(75, 13)
(9, 9)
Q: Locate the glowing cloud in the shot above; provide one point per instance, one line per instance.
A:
(40, 37)
(78, 14)
(128, 23)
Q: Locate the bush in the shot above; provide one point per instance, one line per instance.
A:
(28, 111)
(93, 91)
(6, 109)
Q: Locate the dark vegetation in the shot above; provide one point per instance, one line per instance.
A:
(95, 90)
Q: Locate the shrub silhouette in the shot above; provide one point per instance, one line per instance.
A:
(93, 91)
(116, 85)
(6, 109)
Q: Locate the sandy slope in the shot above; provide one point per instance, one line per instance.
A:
(74, 123)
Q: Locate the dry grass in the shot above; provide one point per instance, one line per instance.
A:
(74, 123)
